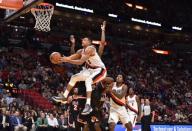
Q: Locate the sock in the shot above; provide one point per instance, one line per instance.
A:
(66, 93)
(88, 101)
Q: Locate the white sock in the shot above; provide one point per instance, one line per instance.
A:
(88, 101)
(66, 93)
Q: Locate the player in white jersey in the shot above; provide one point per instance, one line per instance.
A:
(133, 107)
(93, 72)
(118, 91)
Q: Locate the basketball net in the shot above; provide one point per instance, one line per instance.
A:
(43, 13)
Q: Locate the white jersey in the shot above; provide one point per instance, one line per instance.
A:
(132, 103)
(114, 104)
(117, 110)
(94, 61)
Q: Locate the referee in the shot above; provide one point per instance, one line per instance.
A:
(147, 115)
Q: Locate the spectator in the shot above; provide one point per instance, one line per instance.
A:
(22, 85)
(28, 120)
(62, 123)
(34, 119)
(52, 123)
(4, 120)
(17, 123)
(42, 122)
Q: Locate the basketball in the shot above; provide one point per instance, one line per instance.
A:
(54, 57)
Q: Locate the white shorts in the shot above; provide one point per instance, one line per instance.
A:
(96, 75)
(118, 114)
(133, 118)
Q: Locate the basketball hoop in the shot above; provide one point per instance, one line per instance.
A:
(43, 13)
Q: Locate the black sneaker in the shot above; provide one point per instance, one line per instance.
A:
(88, 109)
(58, 99)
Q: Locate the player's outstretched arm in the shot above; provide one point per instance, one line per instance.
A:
(88, 53)
(122, 94)
(102, 44)
(72, 44)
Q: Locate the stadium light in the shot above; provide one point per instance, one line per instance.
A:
(112, 15)
(129, 4)
(75, 8)
(64, 6)
(163, 52)
(146, 22)
(84, 9)
(139, 7)
(176, 28)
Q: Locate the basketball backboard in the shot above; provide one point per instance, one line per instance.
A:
(27, 5)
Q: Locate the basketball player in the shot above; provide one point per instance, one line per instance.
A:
(92, 121)
(74, 109)
(118, 91)
(133, 107)
(93, 72)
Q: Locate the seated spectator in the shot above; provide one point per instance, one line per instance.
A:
(4, 121)
(42, 122)
(34, 119)
(28, 120)
(53, 123)
(17, 123)
(62, 123)
(22, 85)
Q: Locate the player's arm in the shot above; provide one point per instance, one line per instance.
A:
(102, 44)
(72, 43)
(75, 56)
(139, 108)
(122, 94)
(153, 116)
(88, 53)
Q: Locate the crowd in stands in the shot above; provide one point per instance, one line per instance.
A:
(165, 80)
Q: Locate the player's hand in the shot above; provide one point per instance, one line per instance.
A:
(103, 26)
(64, 59)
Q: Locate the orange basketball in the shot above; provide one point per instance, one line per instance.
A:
(54, 57)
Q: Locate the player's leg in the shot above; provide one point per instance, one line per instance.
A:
(113, 119)
(112, 126)
(96, 76)
(74, 79)
(133, 119)
(96, 118)
(97, 126)
(128, 126)
(86, 127)
(125, 119)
